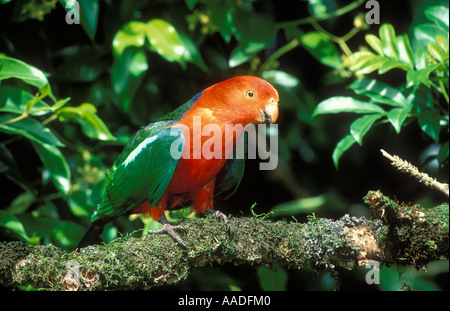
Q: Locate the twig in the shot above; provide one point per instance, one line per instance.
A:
(406, 167)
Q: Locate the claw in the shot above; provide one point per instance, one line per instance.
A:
(219, 215)
(169, 229)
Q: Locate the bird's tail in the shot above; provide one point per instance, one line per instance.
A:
(91, 235)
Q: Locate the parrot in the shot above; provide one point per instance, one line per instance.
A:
(158, 170)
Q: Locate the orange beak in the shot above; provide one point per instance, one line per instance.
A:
(269, 114)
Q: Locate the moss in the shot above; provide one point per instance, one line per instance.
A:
(141, 263)
(418, 235)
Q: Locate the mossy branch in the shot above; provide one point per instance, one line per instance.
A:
(142, 263)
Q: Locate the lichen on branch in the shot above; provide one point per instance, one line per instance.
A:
(141, 263)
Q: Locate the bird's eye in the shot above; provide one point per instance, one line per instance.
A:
(250, 93)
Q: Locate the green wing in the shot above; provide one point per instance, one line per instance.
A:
(143, 170)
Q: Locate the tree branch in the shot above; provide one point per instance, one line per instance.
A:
(408, 235)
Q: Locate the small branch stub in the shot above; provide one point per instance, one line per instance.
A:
(406, 167)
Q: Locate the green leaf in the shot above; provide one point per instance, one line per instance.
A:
(11, 222)
(78, 204)
(436, 52)
(438, 14)
(86, 115)
(127, 74)
(132, 34)
(391, 64)
(29, 128)
(320, 8)
(425, 34)
(165, 40)
(321, 47)
(343, 145)
(244, 52)
(192, 54)
(272, 279)
(388, 41)
(21, 203)
(340, 104)
(417, 77)
(254, 31)
(362, 125)
(304, 205)
(405, 51)
(89, 16)
(364, 62)
(15, 100)
(379, 92)
(56, 164)
(375, 43)
(67, 233)
(281, 78)
(429, 123)
(222, 17)
(190, 4)
(397, 116)
(14, 68)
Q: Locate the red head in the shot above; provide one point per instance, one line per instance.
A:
(242, 99)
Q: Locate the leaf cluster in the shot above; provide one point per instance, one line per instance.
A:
(423, 96)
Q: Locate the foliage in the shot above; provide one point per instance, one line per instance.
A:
(71, 95)
(424, 95)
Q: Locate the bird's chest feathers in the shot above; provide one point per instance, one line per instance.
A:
(210, 137)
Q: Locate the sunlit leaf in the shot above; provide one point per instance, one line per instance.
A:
(67, 233)
(192, 53)
(362, 125)
(397, 116)
(15, 100)
(375, 43)
(425, 34)
(321, 47)
(388, 40)
(438, 14)
(132, 34)
(405, 52)
(418, 77)
(11, 222)
(436, 52)
(86, 115)
(379, 92)
(165, 40)
(14, 68)
(245, 51)
(304, 205)
(340, 104)
(281, 78)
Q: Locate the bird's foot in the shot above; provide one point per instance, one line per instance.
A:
(219, 215)
(170, 230)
